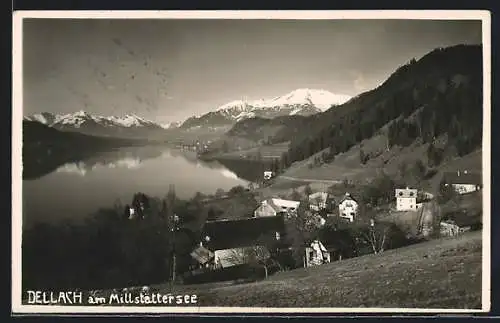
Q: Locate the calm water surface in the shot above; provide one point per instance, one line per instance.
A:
(78, 189)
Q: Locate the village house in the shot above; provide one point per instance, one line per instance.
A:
(463, 182)
(276, 206)
(316, 254)
(228, 241)
(348, 207)
(406, 199)
(318, 201)
(268, 175)
(456, 223)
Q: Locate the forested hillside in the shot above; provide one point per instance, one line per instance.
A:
(440, 93)
(45, 148)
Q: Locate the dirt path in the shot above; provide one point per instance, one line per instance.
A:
(289, 178)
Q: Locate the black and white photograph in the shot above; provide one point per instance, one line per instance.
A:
(251, 162)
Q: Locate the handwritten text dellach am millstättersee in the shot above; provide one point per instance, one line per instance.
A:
(77, 298)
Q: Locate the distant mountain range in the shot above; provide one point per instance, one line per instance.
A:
(84, 122)
(300, 102)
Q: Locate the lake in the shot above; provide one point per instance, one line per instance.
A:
(77, 189)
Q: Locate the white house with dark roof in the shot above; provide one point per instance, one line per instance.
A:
(406, 199)
(316, 254)
(348, 207)
(463, 182)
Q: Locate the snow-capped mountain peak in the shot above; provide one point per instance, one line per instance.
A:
(301, 101)
(321, 99)
(170, 125)
(83, 121)
(45, 118)
(130, 120)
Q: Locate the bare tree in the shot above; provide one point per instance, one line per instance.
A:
(375, 235)
(257, 256)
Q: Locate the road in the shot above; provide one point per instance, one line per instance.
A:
(309, 180)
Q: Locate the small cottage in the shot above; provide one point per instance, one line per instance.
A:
(275, 206)
(406, 199)
(318, 201)
(268, 175)
(463, 182)
(316, 254)
(456, 223)
(348, 207)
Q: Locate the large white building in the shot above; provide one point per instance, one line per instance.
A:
(406, 199)
(348, 207)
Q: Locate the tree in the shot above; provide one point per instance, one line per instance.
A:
(225, 146)
(374, 235)
(262, 255)
(219, 193)
(403, 169)
(308, 190)
(446, 192)
(237, 190)
(419, 170)
(295, 195)
(363, 157)
(434, 155)
(299, 229)
(212, 214)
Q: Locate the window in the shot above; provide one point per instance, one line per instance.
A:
(411, 194)
(400, 193)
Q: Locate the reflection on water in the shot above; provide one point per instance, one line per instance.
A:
(81, 168)
(79, 188)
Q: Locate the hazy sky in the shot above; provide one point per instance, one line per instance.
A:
(168, 70)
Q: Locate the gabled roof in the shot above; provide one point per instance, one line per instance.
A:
(406, 192)
(323, 196)
(285, 203)
(227, 234)
(348, 196)
(463, 177)
(462, 219)
(270, 204)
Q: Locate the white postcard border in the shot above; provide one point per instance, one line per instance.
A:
(17, 97)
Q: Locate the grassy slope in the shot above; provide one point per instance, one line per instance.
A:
(436, 274)
(347, 165)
